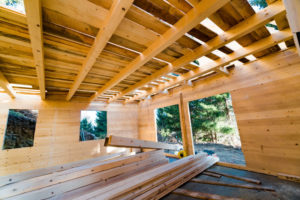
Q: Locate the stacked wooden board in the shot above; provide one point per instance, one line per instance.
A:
(146, 175)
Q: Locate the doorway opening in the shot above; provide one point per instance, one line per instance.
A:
(215, 129)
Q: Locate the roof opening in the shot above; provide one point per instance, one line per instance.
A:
(15, 5)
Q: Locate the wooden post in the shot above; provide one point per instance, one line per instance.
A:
(293, 15)
(186, 128)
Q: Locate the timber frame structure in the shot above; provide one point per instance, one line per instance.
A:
(129, 50)
(130, 57)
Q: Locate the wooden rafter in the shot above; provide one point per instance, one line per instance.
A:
(258, 46)
(34, 20)
(4, 84)
(110, 24)
(238, 31)
(190, 20)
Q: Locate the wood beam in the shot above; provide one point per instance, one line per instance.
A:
(186, 127)
(258, 46)
(239, 30)
(117, 141)
(33, 10)
(5, 85)
(293, 15)
(116, 13)
(204, 9)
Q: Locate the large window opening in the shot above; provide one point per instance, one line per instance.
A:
(215, 129)
(20, 128)
(168, 125)
(93, 125)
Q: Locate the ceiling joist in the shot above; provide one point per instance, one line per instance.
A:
(258, 46)
(4, 84)
(110, 24)
(34, 20)
(204, 9)
(238, 31)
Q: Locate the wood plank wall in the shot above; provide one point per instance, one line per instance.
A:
(57, 132)
(266, 101)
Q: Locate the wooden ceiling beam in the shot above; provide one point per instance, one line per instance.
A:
(204, 9)
(253, 48)
(238, 31)
(5, 85)
(110, 24)
(34, 20)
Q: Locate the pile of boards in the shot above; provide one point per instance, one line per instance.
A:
(145, 175)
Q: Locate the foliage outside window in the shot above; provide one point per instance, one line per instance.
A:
(168, 124)
(16, 5)
(213, 120)
(93, 125)
(20, 128)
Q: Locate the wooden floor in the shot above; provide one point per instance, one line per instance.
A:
(284, 190)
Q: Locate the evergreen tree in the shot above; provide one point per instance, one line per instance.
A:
(86, 125)
(206, 114)
(101, 124)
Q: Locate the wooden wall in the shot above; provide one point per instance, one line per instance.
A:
(56, 138)
(266, 101)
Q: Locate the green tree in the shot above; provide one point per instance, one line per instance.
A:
(12, 2)
(168, 124)
(259, 3)
(206, 114)
(86, 125)
(101, 124)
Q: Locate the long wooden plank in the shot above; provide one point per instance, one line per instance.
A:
(118, 141)
(175, 182)
(121, 187)
(239, 30)
(81, 192)
(246, 186)
(44, 171)
(201, 195)
(190, 20)
(4, 84)
(149, 186)
(72, 184)
(34, 20)
(74, 173)
(110, 24)
(258, 46)
(250, 180)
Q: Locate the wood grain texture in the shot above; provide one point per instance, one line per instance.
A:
(266, 104)
(56, 139)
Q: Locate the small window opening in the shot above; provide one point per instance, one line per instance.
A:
(15, 5)
(93, 125)
(168, 126)
(214, 128)
(20, 128)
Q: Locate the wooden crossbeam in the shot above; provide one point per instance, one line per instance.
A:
(186, 23)
(110, 24)
(34, 20)
(258, 46)
(117, 141)
(4, 84)
(238, 31)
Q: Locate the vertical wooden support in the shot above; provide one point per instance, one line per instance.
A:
(293, 15)
(186, 127)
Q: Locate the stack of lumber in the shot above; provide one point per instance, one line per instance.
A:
(146, 175)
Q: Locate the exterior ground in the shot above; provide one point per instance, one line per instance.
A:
(284, 190)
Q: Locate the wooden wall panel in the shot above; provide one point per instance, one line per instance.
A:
(266, 101)
(57, 132)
